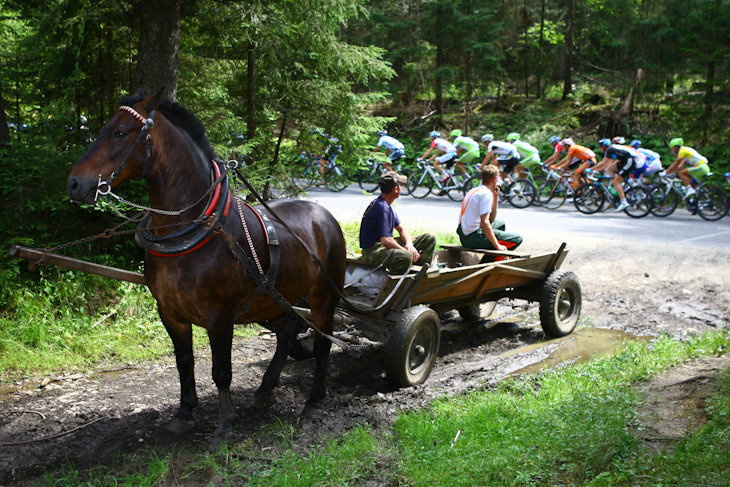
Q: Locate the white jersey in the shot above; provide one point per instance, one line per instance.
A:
(443, 145)
(390, 143)
(504, 150)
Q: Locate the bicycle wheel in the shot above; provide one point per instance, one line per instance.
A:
(457, 193)
(367, 179)
(589, 199)
(419, 185)
(522, 194)
(335, 180)
(303, 177)
(710, 202)
(640, 202)
(552, 194)
(405, 190)
(665, 201)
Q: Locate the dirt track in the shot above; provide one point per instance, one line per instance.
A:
(640, 291)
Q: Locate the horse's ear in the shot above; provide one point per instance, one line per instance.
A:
(153, 101)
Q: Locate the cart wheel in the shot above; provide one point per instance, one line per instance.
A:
(303, 349)
(475, 312)
(413, 346)
(560, 303)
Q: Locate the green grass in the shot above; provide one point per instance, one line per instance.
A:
(567, 426)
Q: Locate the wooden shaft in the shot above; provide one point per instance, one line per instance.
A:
(35, 256)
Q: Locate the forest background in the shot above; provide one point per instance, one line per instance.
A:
(262, 74)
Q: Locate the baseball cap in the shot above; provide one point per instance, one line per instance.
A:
(389, 178)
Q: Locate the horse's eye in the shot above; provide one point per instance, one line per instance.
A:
(119, 134)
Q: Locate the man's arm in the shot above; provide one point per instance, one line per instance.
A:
(487, 158)
(425, 154)
(391, 243)
(602, 165)
(676, 165)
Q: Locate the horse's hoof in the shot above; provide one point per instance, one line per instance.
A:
(312, 411)
(217, 443)
(180, 426)
(263, 402)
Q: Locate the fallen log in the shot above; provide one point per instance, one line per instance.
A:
(35, 257)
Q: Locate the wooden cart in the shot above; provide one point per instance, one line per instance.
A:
(404, 313)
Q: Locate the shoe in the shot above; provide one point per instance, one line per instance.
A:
(442, 193)
(446, 178)
(690, 192)
(622, 206)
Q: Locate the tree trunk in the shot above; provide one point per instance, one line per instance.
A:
(110, 80)
(4, 130)
(568, 61)
(709, 88)
(438, 83)
(527, 50)
(541, 47)
(251, 93)
(159, 47)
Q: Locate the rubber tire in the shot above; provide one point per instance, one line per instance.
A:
(413, 347)
(335, 180)
(551, 194)
(302, 181)
(588, 199)
(560, 303)
(664, 206)
(422, 190)
(526, 196)
(640, 200)
(474, 312)
(365, 181)
(458, 194)
(716, 199)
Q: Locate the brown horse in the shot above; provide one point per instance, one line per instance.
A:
(190, 230)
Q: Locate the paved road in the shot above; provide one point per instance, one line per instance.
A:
(441, 214)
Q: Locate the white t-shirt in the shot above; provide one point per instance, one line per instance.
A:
(504, 150)
(443, 145)
(390, 143)
(477, 202)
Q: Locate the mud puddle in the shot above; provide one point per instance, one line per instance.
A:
(580, 346)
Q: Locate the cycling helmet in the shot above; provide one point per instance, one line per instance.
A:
(677, 141)
(619, 140)
(435, 133)
(513, 136)
(487, 138)
(604, 142)
(554, 139)
(456, 133)
(636, 143)
(380, 133)
(568, 141)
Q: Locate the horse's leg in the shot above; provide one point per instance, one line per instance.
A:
(220, 335)
(181, 334)
(323, 302)
(286, 334)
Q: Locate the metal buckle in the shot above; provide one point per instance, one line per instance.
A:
(101, 192)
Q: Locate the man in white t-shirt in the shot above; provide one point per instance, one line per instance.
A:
(478, 225)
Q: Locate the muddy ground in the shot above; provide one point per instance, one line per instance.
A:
(93, 418)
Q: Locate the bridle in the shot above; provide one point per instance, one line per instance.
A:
(103, 188)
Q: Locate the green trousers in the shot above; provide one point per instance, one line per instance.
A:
(397, 261)
(477, 239)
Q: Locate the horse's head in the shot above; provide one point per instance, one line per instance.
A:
(118, 154)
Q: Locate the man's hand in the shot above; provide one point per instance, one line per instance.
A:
(410, 248)
(501, 247)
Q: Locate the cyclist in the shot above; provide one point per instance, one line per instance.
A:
(443, 152)
(330, 152)
(689, 164)
(529, 155)
(505, 155)
(478, 225)
(467, 149)
(619, 161)
(394, 149)
(558, 150)
(578, 158)
(653, 160)
(376, 232)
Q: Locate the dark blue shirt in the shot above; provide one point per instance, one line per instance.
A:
(379, 220)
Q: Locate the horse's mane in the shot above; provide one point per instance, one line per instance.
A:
(181, 118)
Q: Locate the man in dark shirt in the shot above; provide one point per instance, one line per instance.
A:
(376, 232)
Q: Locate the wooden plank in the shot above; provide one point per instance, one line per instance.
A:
(35, 256)
(507, 253)
(518, 271)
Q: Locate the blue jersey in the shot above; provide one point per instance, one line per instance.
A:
(650, 155)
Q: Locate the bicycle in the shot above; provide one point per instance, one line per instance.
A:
(422, 181)
(369, 176)
(597, 194)
(305, 177)
(554, 191)
(518, 192)
(708, 201)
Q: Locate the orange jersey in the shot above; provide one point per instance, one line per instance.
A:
(581, 153)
